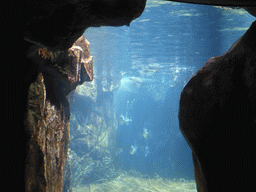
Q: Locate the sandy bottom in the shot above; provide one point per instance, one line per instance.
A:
(136, 184)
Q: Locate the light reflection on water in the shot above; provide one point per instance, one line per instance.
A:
(167, 33)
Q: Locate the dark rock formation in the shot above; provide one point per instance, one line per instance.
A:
(49, 139)
(56, 25)
(48, 113)
(50, 29)
(218, 118)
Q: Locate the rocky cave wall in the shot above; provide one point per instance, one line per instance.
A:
(42, 69)
(48, 114)
(218, 118)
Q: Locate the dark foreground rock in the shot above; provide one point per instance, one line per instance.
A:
(56, 25)
(218, 118)
(48, 113)
(38, 35)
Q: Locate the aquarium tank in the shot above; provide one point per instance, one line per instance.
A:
(124, 129)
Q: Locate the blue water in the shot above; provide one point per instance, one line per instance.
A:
(153, 59)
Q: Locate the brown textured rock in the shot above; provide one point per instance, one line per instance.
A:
(35, 172)
(47, 31)
(78, 63)
(48, 113)
(47, 127)
(218, 118)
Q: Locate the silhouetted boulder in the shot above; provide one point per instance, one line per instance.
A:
(47, 119)
(218, 118)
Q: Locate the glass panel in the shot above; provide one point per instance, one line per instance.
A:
(124, 125)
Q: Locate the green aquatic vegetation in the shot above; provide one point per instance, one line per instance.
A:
(134, 181)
